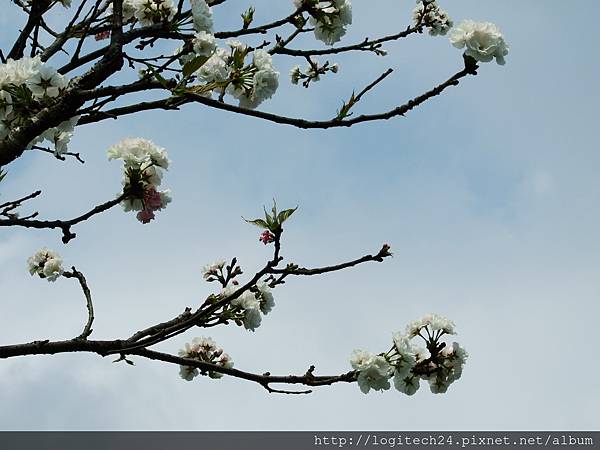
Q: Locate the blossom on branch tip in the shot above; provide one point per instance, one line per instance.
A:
(46, 82)
(144, 162)
(434, 321)
(482, 41)
(46, 263)
(213, 269)
(429, 14)
(329, 19)
(439, 365)
(207, 351)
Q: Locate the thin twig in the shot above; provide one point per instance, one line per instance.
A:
(87, 329)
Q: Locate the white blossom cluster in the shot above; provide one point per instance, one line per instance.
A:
(429, 13)
(26, 86)
(144, 162)
(433, 322)
(147, 12)
(408, 364)
(205, 350)
(482, 41)
(262, 85)
(46, 263)
(252, 304)
(212, 270)
(226, 70)
(329, 18)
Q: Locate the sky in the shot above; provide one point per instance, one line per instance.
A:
(487, 194)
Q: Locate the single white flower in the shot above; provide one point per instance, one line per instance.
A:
(204, 43)
(262, 60)
(188, 372)
(20, 71)
(406, 384)
(46, 263)
(376, 376)
(215, 69)
(46, 82)
(202, 16)
(295, 74)
(361, 359)
(267, 301)
(234, 44)
(405, 358)
(482, 41)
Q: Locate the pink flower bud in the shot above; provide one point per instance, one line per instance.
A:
(145, 216)
(152, 199)
(267, 237)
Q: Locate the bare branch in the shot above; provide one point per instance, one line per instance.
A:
(64, 225)
(87, 329)
(366, 45)
(9, 206)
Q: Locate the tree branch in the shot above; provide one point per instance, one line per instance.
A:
(64, 225)
(87, 329)
(176, 101)
(366, 45)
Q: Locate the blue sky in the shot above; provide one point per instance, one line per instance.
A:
(487, 194)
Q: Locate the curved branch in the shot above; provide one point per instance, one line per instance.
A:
(87, 329)
(176, 101)
(64, 225)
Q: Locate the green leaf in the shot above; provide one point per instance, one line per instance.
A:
(258, 222)
(285, 214)
(2, 174)
(191, 66)
(269, 219)
(274, 209)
